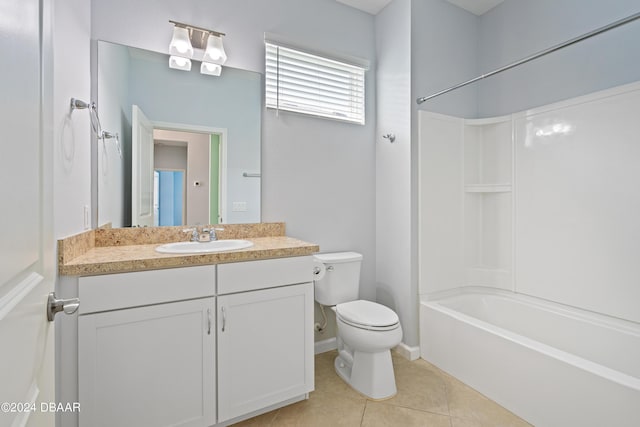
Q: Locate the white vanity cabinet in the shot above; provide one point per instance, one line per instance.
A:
(146, 348)
(195, 346)
(265, 334)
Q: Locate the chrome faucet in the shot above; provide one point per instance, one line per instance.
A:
(207, 234)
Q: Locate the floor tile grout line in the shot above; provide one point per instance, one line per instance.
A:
(382, 402)
(448, 384)
(446, 395)
(411, 407)
(366, 402)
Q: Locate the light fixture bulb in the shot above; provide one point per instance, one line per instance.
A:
(180, 43)
(179, 63)
(210, 69)
(215, 51)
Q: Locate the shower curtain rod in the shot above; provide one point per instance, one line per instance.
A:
(536, 55)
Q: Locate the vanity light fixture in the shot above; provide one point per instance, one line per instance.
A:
(179, 63)
(210, 69)
(190, 42)
(180, 42)
(215, 51)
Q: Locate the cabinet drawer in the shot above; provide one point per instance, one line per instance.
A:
(269, 273)
(122, 290)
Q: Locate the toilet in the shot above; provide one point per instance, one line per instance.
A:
(366, 330)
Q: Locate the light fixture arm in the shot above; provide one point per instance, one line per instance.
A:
(198, 36)
(193, 27)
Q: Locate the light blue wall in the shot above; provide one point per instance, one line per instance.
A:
(440, 41)
(444, 46)
(393, 166)
(518, 28)
(450, 45)
(318, 175)
(114, 172)
(231, 101)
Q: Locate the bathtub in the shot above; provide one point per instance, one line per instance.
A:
(550, 364)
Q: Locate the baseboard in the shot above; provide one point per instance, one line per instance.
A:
(325, 345)
(408, 352)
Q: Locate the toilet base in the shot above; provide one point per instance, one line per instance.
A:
(370, 374)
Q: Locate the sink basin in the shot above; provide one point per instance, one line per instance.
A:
(203, 247)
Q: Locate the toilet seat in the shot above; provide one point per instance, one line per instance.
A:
(367, 315)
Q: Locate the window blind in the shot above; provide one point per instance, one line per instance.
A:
(310, 84)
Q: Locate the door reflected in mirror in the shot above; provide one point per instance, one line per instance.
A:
(191, 142)
(180, 157)
(168, 197)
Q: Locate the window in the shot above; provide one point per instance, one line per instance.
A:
(310, 84)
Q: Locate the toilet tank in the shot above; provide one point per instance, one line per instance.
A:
(341, 282)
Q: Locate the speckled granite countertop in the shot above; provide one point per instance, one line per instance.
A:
(106, 251)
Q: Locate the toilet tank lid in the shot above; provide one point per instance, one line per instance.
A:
(338, 257)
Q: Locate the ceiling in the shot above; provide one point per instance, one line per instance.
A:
(369, 6)
(477, 7)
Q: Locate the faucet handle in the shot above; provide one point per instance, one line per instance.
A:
(212, 232)
(194, 233)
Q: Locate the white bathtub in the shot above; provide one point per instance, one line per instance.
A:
(550, 364)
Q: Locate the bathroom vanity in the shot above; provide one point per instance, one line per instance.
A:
(224, 338)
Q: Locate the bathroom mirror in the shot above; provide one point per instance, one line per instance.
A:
(187, 150)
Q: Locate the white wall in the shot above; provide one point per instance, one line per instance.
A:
(72, 159)
(518, 28)
(170, 157)
(318, 175)
(441, 253)
(71, 60)
(577, 235)
(394, 287)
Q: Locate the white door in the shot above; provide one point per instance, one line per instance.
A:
(26, 242)
(148, 366)
(142, 212)
(265, 348)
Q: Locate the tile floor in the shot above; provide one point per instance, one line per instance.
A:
(426, 397)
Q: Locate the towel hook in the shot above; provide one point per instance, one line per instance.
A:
(390, 136)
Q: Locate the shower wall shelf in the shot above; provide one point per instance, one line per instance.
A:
(466, 201)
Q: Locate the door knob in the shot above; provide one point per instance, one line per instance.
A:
(55, 305)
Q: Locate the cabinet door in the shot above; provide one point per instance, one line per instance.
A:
(265, 348)
(148, 366)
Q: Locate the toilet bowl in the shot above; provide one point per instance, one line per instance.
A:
(364, 356)
(366, 331)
